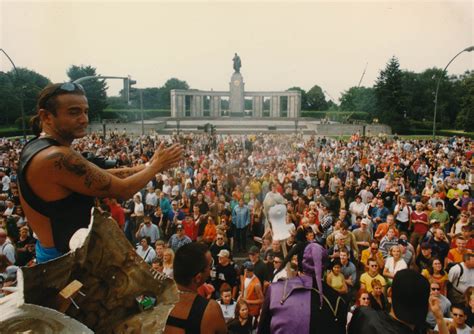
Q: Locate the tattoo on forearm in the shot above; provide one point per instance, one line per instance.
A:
(77, 165)
(122, 174)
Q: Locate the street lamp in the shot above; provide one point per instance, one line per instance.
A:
(469, 49)
(21, 94)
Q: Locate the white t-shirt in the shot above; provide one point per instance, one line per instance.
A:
(8, 250)
(5, 183)
(356, 209)
(393, 267)
(228, 310)
(147, 255)
(465, 330)
(139, 210)
(404, 214)
(151, 199)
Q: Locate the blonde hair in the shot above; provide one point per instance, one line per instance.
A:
(170, 252)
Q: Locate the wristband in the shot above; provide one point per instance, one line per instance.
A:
(147, 164)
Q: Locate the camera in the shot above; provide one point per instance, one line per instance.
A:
(101, 162)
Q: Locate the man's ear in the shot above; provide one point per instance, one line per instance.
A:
(44, 115)
(198, 279)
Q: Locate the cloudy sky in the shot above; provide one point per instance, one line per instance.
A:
(281, 44)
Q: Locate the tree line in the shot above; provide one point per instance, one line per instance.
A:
(401, 98)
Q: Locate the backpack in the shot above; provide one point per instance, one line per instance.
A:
(454, 295)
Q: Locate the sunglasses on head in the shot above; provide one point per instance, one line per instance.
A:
(67, 87)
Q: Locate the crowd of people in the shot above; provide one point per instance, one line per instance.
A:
(376, 205)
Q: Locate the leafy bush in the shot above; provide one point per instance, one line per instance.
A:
(444, 133)
(18, 124)
(338, 116)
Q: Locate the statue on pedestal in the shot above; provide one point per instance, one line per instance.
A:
(237, 63)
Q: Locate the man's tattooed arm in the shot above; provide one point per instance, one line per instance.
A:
(123, 173)
(76, 164)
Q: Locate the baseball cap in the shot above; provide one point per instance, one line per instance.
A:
(434, 221)
(254, 250)
(248, 265)
(365, 221)
(224, 252)
(410, 293)
(179, 226)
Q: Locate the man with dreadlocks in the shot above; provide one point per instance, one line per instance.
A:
(304, 304)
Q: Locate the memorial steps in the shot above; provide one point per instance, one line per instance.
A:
(238, 126)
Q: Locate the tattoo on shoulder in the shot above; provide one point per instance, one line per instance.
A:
(73, 163)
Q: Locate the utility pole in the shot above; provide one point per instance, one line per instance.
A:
(141, 110)
(22, 111)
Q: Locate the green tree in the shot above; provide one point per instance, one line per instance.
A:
(9, 99)
(304, 99)
(165, 91)
(316, 99)
(419, 93)
(95, 88)
(16, 86)
(389, 97)
(152, 98)
(465, 117)
(359, 99)
(332, 106)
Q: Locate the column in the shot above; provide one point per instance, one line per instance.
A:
(275, 106)
(197, 102)
(215, 106)
(260, 106)
(183, 104)
(255, 112)
(298, 105)
(173, 103)
(193, 106)
(180, 106)
(291, 107)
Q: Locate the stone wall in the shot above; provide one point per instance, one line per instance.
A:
(129, 128)
(349, 129)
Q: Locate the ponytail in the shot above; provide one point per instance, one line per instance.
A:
(35, 125)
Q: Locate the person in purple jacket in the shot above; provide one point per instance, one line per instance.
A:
(304, 304)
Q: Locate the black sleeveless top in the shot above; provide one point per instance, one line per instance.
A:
(191, 325)
(68, 214)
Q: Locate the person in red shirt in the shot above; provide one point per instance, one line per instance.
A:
(190, 227)
(117, 212)
(419, 222)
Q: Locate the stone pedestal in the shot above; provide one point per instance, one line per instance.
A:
(236, 94)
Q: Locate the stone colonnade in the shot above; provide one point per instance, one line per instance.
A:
(194, 104)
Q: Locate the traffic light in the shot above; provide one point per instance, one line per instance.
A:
(127, 88)
(209, 128)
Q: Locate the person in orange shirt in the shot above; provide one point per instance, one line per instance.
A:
(455, 254)
(372, 252)
(383, 228)
(251, 290)
(210, 231)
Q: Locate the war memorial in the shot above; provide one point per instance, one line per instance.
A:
(238, 111)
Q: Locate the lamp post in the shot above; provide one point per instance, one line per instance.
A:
(469, 49)
(22, 112)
